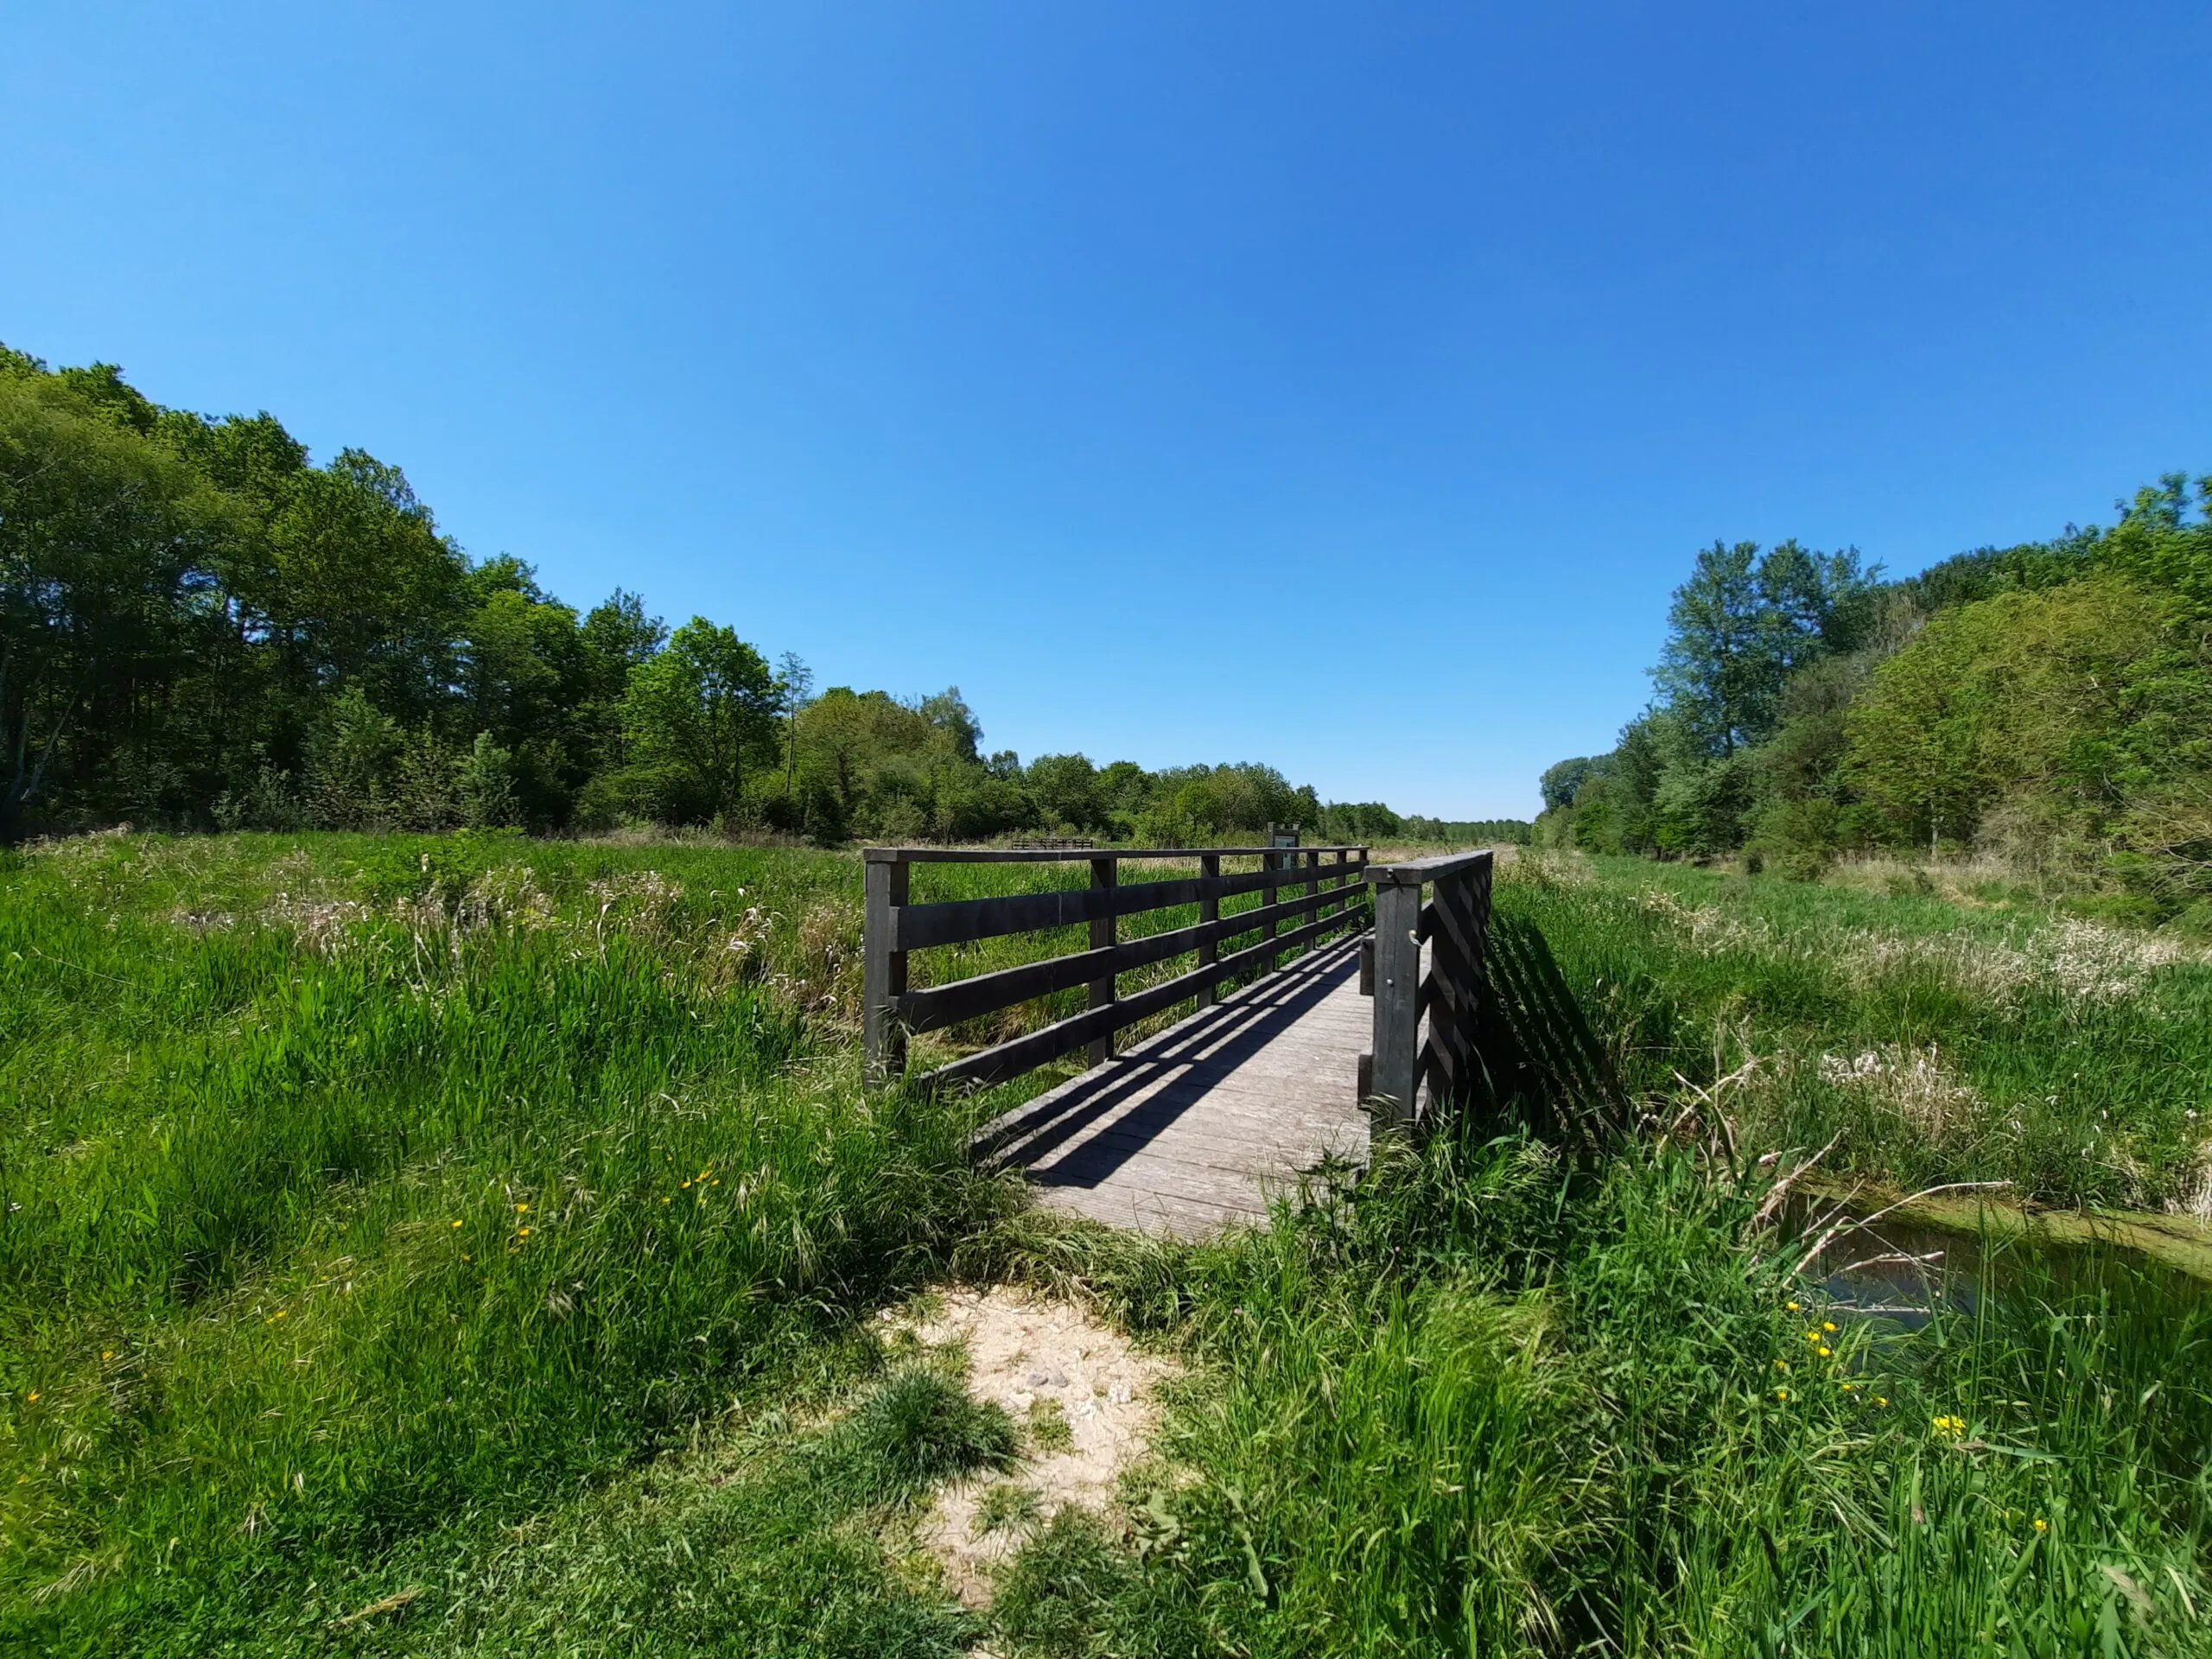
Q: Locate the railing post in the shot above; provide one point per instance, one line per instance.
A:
(1270, 865)
(1102, 931)
(883, 974)
(1337, 882)
(1210, 911)
(1394, 1077)
(1311, 913)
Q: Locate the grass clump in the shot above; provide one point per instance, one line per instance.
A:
(333, 1225)
(1941, 1040)
(917, 1429)
(1495, 1403)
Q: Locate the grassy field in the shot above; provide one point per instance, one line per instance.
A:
(1991, 1040)
(449, 1246)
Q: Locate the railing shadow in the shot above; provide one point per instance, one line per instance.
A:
(1201, 1050)
(1541, 1064)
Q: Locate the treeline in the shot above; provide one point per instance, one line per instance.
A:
(199, 627)
(2048, 703)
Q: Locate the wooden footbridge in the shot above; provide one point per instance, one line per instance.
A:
(1322, 999)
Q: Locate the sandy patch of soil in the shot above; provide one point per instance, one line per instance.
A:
(1086, 1401)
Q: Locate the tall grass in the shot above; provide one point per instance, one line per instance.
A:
(452, 1245)
(1944, 1042)
(333, 1220)
(1490, 1403)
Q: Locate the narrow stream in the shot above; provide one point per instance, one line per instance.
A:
(1904, 1267)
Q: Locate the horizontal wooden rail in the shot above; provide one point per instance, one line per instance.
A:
(1020, 1054)
(963, 921)
(1329, 896)
(964, 999)
(1075, 855)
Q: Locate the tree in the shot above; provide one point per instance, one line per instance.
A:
(1743, 624)
(1561, 780)
(794, 680)
(695, 713)
(106, 546)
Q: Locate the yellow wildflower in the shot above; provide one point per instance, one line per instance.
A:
(2042, 1525)
(1826, 1352)
(1828, 1325)
(1782, 1394)
(523, 1233)
(1792, 1307)
(456, 1223)
(520, 1208)
(33, 1394)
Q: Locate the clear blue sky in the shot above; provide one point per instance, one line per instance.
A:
(1344, 387)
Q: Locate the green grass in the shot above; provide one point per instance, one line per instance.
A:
(285, 1373)
(1943, 1041)
(1495, 1404)
(325, 1230)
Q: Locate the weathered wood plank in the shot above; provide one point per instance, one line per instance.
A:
(1056, 855)
(961, 921)
(1194, 1129)
(883, 976)
(1103, 872)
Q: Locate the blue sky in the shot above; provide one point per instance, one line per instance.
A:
(1341, 387)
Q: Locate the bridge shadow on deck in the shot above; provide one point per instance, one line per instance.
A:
(1071, 1136)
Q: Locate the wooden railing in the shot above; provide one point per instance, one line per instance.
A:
(1333, 891)
(1425, 1013)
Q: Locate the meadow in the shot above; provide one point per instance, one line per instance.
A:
(468, 1245)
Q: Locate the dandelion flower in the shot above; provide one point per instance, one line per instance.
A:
(1782, 1394)
(1792, 1307)
(523, 1233)
(1826, 1352)
(2042, 1525)
(520, 1208)
(1828, 1325)
(456, 1223)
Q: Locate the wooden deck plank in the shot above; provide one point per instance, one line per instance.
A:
(1196, 1127)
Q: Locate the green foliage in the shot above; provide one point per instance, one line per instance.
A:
(2050, 703)
(357, 1189)
(1743, 624)
(266, 1398)
(200, 628)
(694, 712)
(1998, 1039)
(1490, 1402)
